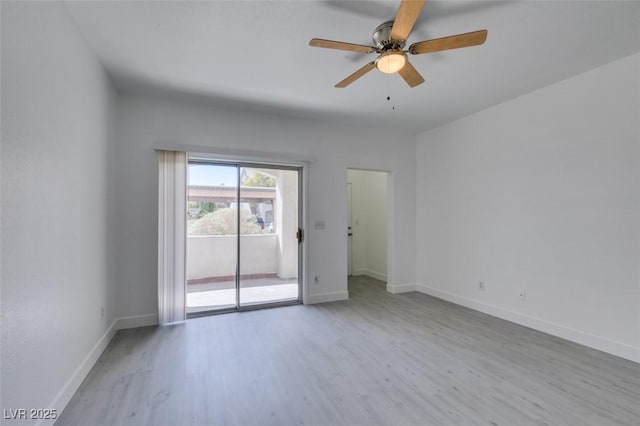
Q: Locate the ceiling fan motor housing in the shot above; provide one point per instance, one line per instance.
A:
(382, 38)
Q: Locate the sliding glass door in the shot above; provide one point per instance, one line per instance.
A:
(243, 236)
(212, 237)
(269, 258)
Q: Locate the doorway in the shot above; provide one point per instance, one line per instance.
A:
(244, 236)
(367, 215)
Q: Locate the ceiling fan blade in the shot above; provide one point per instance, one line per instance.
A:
(406, 18)
(446, 43)
(356, 75)
(340, 45)
(411, 75)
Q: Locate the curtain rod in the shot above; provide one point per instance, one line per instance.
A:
(224, 153)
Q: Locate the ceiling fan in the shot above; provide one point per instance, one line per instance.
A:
(390, 39)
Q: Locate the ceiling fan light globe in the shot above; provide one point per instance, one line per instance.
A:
(391, 63)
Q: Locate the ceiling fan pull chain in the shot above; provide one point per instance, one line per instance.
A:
(393, 107)
(388, 87)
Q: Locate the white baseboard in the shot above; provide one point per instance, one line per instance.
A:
(376, 275)
(137, 321)
(400, 288)
(326, 297)
(370, 273)
(71, 386)
(596, 342)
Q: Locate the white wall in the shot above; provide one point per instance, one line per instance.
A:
(541, 193)
(145, 121)
(57, 222)
(369, 223)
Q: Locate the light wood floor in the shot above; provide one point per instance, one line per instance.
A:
(376, 359)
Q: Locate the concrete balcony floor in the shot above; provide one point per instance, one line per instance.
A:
(222, 295)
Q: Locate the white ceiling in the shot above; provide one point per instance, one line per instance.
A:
(255, 54)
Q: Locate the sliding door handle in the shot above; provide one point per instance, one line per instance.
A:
(299, 235)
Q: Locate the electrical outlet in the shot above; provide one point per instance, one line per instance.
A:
(101, 312)
(315, 280)
(481, 285)
(523, 295)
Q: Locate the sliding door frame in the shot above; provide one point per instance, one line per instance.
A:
(301, 261)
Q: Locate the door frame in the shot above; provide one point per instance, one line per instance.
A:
(239, 164)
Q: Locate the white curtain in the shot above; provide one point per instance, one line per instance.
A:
(172, 184)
